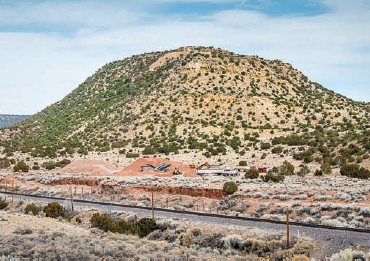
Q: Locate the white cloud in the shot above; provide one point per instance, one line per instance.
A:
(332, 49)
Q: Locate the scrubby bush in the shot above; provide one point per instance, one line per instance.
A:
(287, 168)
(78, 220)
(62, 163)
(230, 188)
(4, 163)
(21, 166)
(124, 227)
(32, 208)
(243, 163)
(48, 165)
(354, 171)
(318, 172)
(326, 168)
(3, 204)
(270, 176)
(54, 210)
(252, 174)
(144, 227)
(303, 171)
(265, 146)
(132, 155)
(277, 150)
(102, 222)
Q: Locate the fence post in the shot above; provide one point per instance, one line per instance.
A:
(12, 189)
(152, 205)
(287, 228)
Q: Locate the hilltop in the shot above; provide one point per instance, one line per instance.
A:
(203, 102)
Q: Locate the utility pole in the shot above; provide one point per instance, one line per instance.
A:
(12, 190)
(152, 205)
(287, 228)
(72, 199)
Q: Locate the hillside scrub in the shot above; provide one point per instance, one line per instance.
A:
(141, 228)
(159, 103)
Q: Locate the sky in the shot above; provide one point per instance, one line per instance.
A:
(47, 48)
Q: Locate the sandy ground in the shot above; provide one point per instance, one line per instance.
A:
(134, 169)
(93, 167)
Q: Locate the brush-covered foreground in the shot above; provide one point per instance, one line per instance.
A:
(36, 236)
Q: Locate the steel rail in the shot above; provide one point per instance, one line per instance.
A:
(298, 224)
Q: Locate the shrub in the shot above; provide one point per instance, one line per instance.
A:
(21, 166)
(78, 220)
(354, 171)
(269, 176)
(4, 163)
(132, 155)
(326, 168)
(3, 204)
(48, 165)
(144, 227)
(252, 174)
(102, 222)
(32, 208)
(318, 172)
(287, 168)
(54, 210)
(303, 171)
(230, 188)
(124, 227)
(62, 163)
(243, 163)
(265, 146)
(277, 150)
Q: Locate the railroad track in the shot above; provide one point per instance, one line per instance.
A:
(192, 213)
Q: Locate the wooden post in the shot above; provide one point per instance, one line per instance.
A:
(12, 190)
(72, 199)
(152, 205)
(287, 228)
(197, 207)
(91, 191)
(203, 206)
(75, 190)
(82, 190)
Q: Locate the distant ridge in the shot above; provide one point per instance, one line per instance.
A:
(7, 120)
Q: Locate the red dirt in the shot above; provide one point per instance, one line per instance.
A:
(89, 166)
(134, 170)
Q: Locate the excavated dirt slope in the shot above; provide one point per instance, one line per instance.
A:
(92, 167)
(135, 168)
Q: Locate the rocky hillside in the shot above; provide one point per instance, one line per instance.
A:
(195, 98)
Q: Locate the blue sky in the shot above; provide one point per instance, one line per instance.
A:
(49, 47)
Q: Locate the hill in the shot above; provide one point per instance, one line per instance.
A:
(7, 120)
(200, 100)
